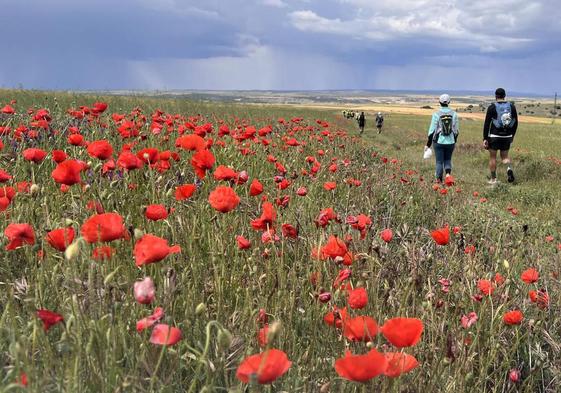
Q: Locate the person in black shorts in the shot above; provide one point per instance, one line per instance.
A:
(501, 123)
(361, 122)
(379, 122)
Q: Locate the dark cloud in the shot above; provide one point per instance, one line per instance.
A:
(280, 44)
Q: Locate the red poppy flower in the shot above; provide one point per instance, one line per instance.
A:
(441, 236)
(336, 317)
(399, 363)
(8, 110)
(129, 161)
(255, 188)
(330, 185)
(35, 155)
(156, 212)
(67, 172)
(150, 320)
(223, 199)
(184, 192)
(267, 219)
(4, 176)
(19, 235)
(224, 173)
(100, 149)
(403, 332)
(163, 334)
(59, 156)
(148, 155)
(76, 139)
(191, 142)
(144, 291)
(61, 238)
(468, 320)
(49, 318)
(4, 203)
(530, 276)
(243, 243)
(289, 231)
(104, 227)
(358, 298)
(540, 297)
(486, 287)
(360, 328)
(387, 235)
(361, 368)
(514, 317)
(264, 367)
(151, 249)
(202, 161)
(302, 191)
(334, 248)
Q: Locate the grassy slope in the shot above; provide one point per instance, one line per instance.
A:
(100, 351)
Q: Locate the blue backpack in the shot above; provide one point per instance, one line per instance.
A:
(504, 121)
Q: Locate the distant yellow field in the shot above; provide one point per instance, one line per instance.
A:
(409, 110)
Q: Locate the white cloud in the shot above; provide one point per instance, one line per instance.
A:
(487, 26)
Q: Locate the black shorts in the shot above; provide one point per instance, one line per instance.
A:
(502, 144)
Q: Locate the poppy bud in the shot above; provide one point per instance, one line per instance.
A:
(34, 189)
(224, 339)
(514, 375)
(506, 264)
(144, 291)
(324, 297)
(138, 233)
(73, 250)
(262, 317)
(200, 309)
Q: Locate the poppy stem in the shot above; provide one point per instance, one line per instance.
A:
(155, 373)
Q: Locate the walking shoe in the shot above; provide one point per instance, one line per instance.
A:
(492, 181)
(510, 175)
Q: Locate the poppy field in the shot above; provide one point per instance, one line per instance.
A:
(169, 245)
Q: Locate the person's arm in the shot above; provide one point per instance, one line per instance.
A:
(515, 117)
(432, 128)
(456, 127)
(488, 121)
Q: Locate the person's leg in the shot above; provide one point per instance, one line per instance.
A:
(449, 150)
(439, 157)
(505, 159)
(493, 164)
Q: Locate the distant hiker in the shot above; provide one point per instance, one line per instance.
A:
(361, 122)
(443, 131)
(500, 127)
(379, 122)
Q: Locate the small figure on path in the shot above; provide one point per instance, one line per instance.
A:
(443, 131)
(361, 122)
(499, 129)
(379, 122)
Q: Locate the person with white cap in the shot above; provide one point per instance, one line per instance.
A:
(443, 131)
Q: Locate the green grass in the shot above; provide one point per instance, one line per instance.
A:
(98, 349)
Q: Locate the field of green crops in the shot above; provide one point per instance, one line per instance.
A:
(286, 252)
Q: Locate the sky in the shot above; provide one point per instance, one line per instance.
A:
(451, 45)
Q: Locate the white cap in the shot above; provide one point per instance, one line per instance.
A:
(444, 99)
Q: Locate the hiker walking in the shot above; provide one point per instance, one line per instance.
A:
(501, 123)
(361, 122)
(443, 131)
(379, 122)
